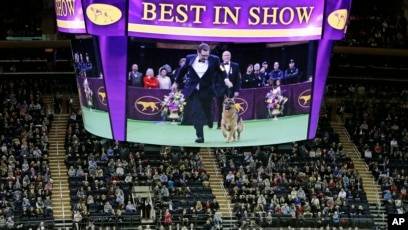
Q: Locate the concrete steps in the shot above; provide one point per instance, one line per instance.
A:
(379, 213)
(216, 181)
(61, 200)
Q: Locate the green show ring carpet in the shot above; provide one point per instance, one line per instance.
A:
(256, 132)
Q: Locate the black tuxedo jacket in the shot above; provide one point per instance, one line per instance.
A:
(206, 88)
(233, 75)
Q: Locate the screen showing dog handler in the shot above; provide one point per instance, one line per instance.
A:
(210, 101)
(271, 59)
(201, 70)
(210, 104)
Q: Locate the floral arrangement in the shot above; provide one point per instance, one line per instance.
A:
(275, 102)
(173, 103)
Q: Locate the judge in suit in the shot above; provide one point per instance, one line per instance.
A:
(135, 78)
(231, 70)
(202, 70)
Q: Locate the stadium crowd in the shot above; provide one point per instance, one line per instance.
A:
(26, 182)
(312, 184)
(102, 173)
(378, 127)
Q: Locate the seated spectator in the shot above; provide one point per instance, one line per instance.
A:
(77, 219)
(198, 207)
(342, 194)
(10, 223)
(3, 222)
(120, 197)
(48, 206)
(108, 209)
(336, 219)
(40, 206)
(388, 197)
(168, 219)
(130, 207)
(217, 219)
(165, 193)
(403, 192)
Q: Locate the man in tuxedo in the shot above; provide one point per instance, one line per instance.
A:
(202, 70)
(231, 71)
(135, 78)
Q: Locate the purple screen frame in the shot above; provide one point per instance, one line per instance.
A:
(113, 51)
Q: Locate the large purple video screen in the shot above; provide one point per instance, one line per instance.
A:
(136, 47)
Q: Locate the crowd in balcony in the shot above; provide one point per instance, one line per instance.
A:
(26, 181)
(21, 20)
(376, 25)
(378, 127)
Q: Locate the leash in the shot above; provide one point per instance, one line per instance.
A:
(229, 93)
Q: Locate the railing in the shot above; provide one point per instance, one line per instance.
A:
(358, 154)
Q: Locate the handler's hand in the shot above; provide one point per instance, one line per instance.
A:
(228, 83)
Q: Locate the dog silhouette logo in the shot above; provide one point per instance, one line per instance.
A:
(103, 14)
(304, 98)
(102, 95)
(148, 105)
(337, 19)
(241, 105)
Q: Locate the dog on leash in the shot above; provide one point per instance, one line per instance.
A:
(231, 122)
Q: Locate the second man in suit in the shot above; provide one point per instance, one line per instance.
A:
(231, 71)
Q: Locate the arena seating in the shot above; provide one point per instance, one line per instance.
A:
(26, 181)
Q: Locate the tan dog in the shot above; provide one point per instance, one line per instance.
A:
(231, 121)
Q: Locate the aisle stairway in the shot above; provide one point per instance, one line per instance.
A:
(60, 195)
(370, 186)
(216, 184)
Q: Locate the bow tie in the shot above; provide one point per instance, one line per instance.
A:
(226, 63)
(202, 61)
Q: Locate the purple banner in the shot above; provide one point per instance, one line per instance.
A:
(93, 93)
(322, 69)
(219, 21)
(113, 56)
(145, 104)
(70, 17)
(105, 17)
(301, 98)
(99, 93)
(229, 21)
(298, 102)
